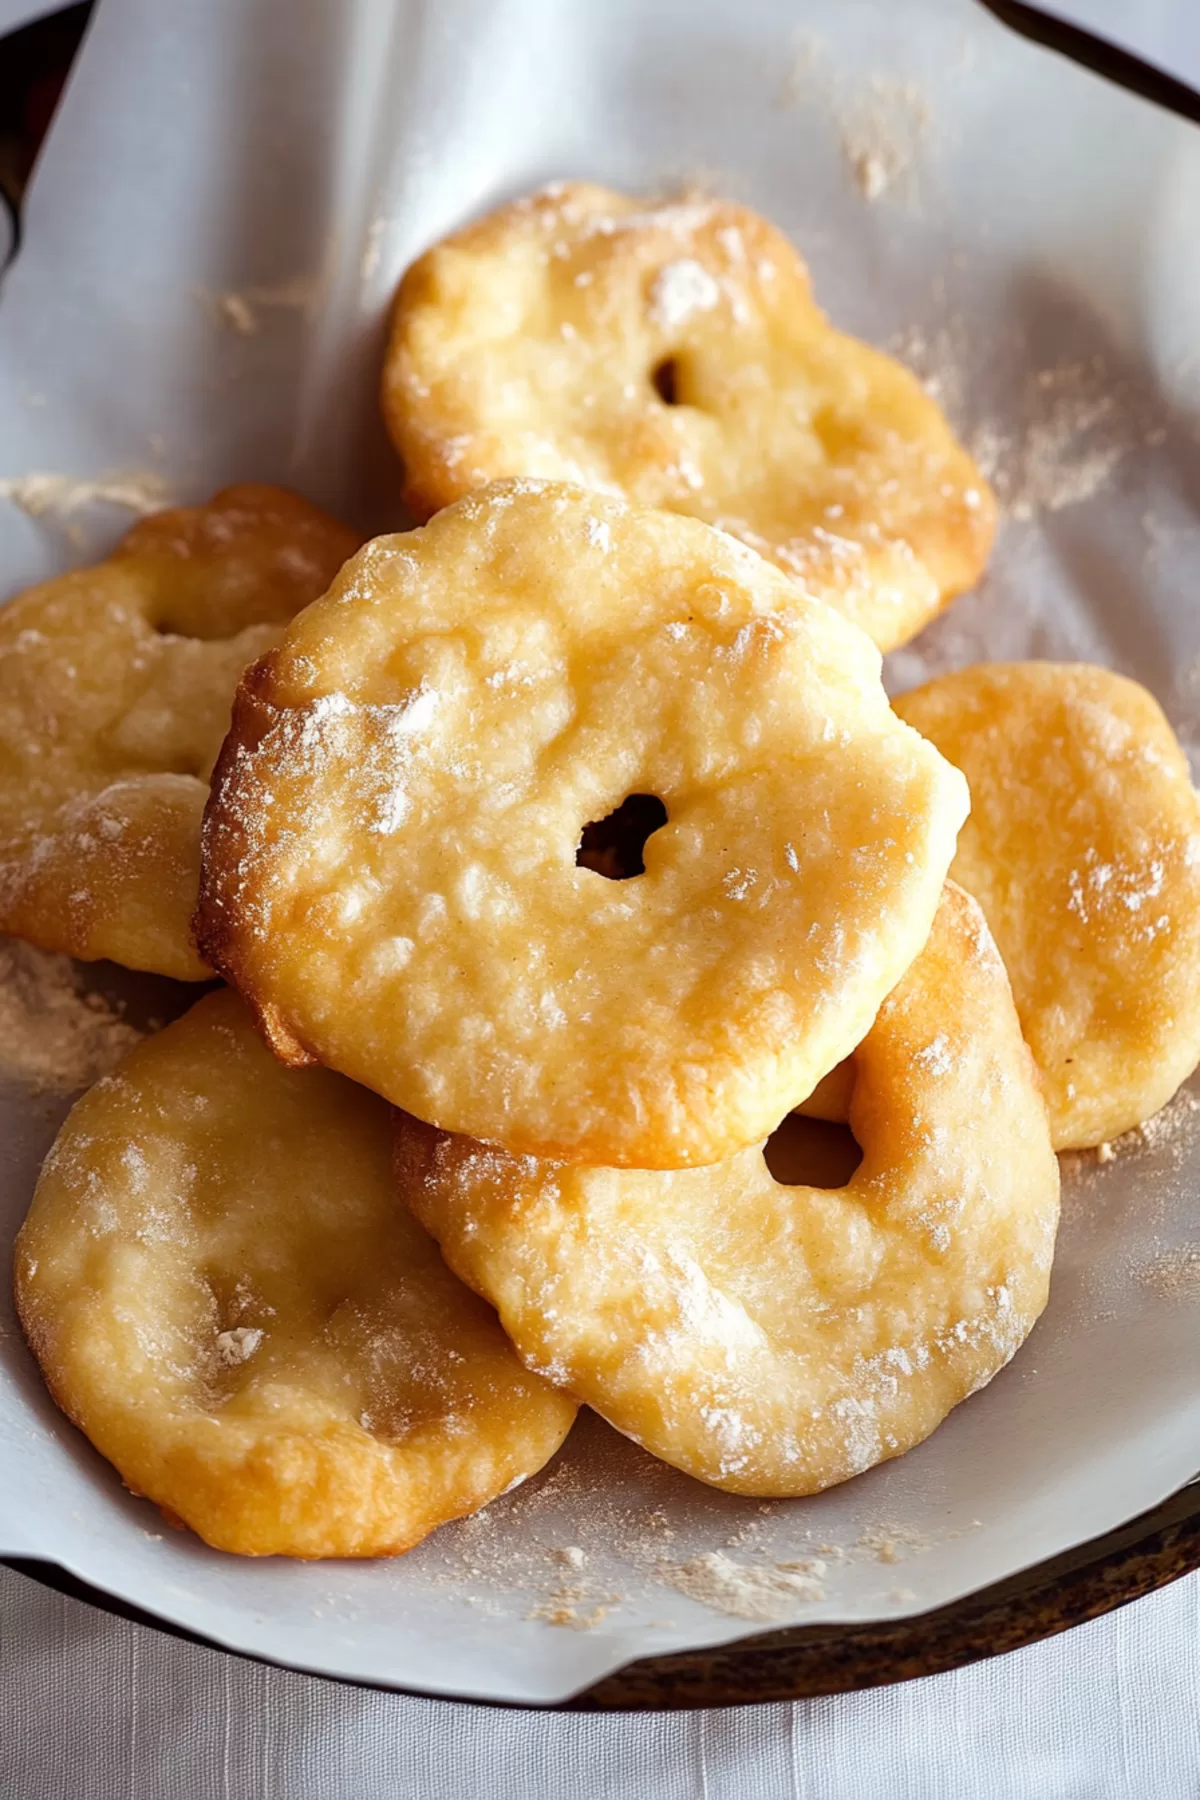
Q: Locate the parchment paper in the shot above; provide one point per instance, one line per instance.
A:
(1026, 236)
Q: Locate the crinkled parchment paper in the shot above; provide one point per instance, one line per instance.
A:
(228, 196)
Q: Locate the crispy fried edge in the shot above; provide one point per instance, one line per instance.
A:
(223, 864)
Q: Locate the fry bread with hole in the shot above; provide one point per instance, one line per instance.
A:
(391, 864)
(674, 354)
(771, 1339)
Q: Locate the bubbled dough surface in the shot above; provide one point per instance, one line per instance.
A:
(389, 855)
(1083, 848)
(526, 344)
(225, 1294)
(115, 688)
(774, 1340)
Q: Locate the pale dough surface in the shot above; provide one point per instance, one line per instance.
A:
(115, 688)
(530, 344)
(226, 1294)
(390, 869)
(774, 1339)
(1083, 848)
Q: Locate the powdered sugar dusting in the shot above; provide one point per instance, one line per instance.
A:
(681, 289)
(936, 1056)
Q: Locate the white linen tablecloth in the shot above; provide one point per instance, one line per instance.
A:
(94, 1708)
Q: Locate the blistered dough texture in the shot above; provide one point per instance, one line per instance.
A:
(225, 1293)
(774, 1340)
(1083, 848)
(390, 851)
(674, 354)
(115, 688)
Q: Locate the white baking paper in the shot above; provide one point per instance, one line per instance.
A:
(1022, 232)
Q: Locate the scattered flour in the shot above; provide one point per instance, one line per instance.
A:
(1167, 1127)
(1171, 1130)
(238, 1346)
(53, 1035)
(743, 1590)
(242, 311)
(140, 491)
(1074, 430)
(883, 124)
(1067, 429)
(606, 1529)
(889, 1543)
(1175, 1274)
(882, 141)
(1159, 1183)
(561, 1610)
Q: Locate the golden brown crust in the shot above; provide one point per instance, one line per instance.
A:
(390, 852)
(227, 844)
(114, 690)
(1083, 849)
(770, 1339)
(831, 1098)
(224, 1295)
(536, 340)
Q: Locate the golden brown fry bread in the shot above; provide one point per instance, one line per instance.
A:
(391, 852)
(115, 687)
(1083, 848)
(674, 354)
(770, 1339)
(226, 1295)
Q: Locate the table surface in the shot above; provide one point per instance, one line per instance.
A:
(95, 1706)
(98, 1709)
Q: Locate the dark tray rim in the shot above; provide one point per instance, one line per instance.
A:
(803, 1662)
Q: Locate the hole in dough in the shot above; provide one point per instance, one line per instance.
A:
(811, 1153)
(665, 380)
(613, 846)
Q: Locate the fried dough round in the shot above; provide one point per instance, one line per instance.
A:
(391, 870)
(226, 1296)
(772, 1339)
(1083, 848)
(674, 354)
(115, 687)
